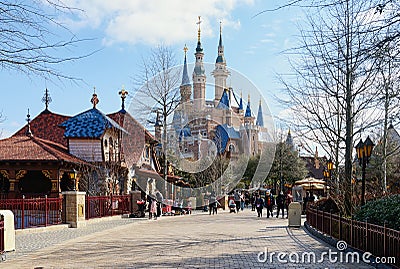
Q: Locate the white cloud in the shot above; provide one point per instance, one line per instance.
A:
(152, 22)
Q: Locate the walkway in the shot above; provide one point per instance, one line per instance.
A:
(198, 241)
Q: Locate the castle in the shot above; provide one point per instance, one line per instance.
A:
(224, 122)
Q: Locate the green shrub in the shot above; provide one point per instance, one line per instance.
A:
(378, 212)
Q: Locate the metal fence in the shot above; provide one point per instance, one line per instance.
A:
(378, 240)
(34, 212)
(102, 206)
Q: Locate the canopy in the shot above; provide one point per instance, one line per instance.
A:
(309, 180)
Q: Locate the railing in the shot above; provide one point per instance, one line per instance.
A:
(102, 206)
(363, 236)
(34, 212)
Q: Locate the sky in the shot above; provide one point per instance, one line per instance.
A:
(122, 33)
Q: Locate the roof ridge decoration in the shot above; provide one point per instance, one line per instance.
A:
(28, 119)
(46, 99)
(94, 99)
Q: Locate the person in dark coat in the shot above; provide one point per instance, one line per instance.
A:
(259, 205)
(269, 203)
(212, 203)
(280, 204)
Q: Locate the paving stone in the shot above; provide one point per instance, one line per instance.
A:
(196, 241)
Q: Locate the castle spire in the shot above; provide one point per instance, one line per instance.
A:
(220, 57)
(199, 48)
(199, 76)
(185, 76)
(260, 117)
(247, 114)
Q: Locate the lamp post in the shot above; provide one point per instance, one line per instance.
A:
(364, 150)
(72, 175)
(329, 165)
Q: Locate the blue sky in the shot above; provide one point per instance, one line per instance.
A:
(124, 32)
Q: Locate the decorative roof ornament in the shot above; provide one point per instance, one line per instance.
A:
(199, 48)
(28, 119)
(123, 94)
(46, 99)
(185, 76)
(94, 99)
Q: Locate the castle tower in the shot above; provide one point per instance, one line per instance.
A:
(220, 72)
(199, 76)
(185, 88)
(251, 129)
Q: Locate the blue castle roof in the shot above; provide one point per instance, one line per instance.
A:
(224, 101)
(248, 110)
(222, 135)
(89, 124)
(260, 118)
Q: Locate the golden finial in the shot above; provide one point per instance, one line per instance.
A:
(220, 27)
(185, 49)
(248, 98)
(198, 33)
(94, 99)
(260, 101)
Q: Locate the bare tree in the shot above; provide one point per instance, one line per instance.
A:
(334, 93)
(28, 39)
(158, 90)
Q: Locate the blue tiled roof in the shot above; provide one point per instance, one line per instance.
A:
(241, 104)
(260, 118)
(224, 101)
(89, 124)
(222, 135)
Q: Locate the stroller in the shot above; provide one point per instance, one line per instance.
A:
(232, 206)
(140, 213)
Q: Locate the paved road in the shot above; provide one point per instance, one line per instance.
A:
(198, 241)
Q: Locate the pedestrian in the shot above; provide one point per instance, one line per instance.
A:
(153, 209)
(212, 203)
(242, 201)
(280, 204)
(253, 202)
(160, 199)
(259, 204)
(236, 197)
(305, 201)
(269, 202)
(217, 204)
(289, 199)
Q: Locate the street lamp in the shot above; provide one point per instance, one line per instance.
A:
(72, 175)
(364, 150)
